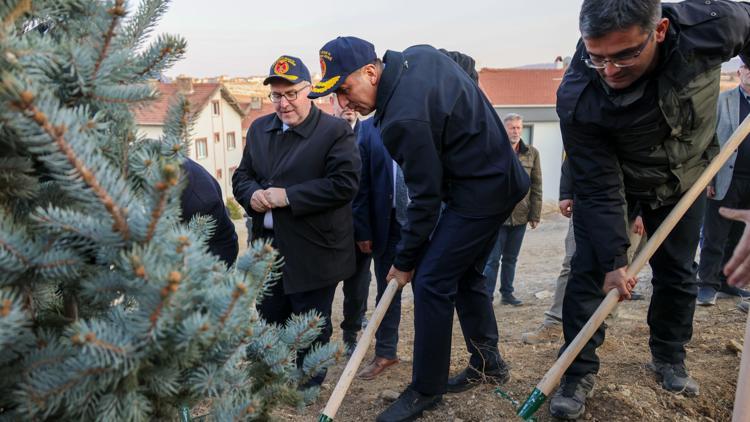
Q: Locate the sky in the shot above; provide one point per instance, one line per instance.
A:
(243, 38)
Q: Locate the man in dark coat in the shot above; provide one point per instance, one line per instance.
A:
(298, 175)
(637, 113)
(357, 286)
(379, 212)
(448, 140)
(202, 196)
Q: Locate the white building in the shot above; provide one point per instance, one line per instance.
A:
(217, 134)
(532, 94)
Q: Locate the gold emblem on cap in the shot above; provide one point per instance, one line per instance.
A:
(324, 86)
(282, 66)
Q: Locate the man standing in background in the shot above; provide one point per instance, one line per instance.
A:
(379, 215)
(730, 188)
(356, 287)
(528, 211)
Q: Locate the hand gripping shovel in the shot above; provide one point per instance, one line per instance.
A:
(359, 353)
(552, 377)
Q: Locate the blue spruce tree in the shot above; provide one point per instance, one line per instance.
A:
(110, 309)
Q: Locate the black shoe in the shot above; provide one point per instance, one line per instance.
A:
(706, 296)
(743, 306)
(409, 406)
(735, 292)
(569, 401)
(636, 296)
(674, 377)
(510, 300)
(470, 378)
(350, 341)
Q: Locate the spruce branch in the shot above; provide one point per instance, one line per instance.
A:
(143, 22)
(174, 280)
(13, 251)
(21, 7)
(161, 54)
(171, 178)
(117, 12)
(57, 133)
(239, 290)
(40, 398)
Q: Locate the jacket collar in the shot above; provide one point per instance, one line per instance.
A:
(522, 148)
(303, 129)
(396, 63)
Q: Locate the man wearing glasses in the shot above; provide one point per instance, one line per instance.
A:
(298, 175)
(637, 111)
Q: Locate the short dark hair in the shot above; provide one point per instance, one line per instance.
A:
(601, 17)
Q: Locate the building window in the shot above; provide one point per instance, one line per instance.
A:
(218, 174)
(528, 134)
(215, 108)
(201, 148)
(231, 143)
(217, 137)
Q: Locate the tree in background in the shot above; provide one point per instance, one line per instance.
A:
(110, 309)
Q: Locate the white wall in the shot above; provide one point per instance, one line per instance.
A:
(219, 156)
(548, 140)
(151, 131)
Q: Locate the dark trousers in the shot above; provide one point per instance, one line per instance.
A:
(506, 249)
(670, 314)
(276, 307)
(450, 274)
(356, 289)
(720, 235)
(386, 337)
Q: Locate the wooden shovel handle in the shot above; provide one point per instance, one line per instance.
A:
(359, 352)
(552, 377)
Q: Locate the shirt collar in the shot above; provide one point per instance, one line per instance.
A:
(303, 129)
(745, 94)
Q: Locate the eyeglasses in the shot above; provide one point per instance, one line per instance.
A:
(275, 97)
(619, 62)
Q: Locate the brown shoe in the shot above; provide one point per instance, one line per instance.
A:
(375, 367)
(547, 332)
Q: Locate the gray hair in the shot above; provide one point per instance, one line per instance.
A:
(512, 117)
(601, 17)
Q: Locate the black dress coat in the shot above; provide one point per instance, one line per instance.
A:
(318, 164)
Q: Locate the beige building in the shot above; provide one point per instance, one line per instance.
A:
(217, 134)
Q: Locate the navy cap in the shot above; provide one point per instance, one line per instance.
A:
(338, 59)
(289, 69)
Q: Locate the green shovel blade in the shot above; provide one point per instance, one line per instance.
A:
(325, 418)
(532, 404)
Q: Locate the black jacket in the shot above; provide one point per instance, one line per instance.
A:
(373, 204)
(317, 162)
(202, 196)
(566, 182)
(448, 140)
(651, 141)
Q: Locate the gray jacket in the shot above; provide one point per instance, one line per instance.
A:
(729, 119)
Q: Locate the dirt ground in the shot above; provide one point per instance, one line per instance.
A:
(625, 389)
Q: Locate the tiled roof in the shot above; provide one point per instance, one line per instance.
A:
(520, 87)
(155, 112)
